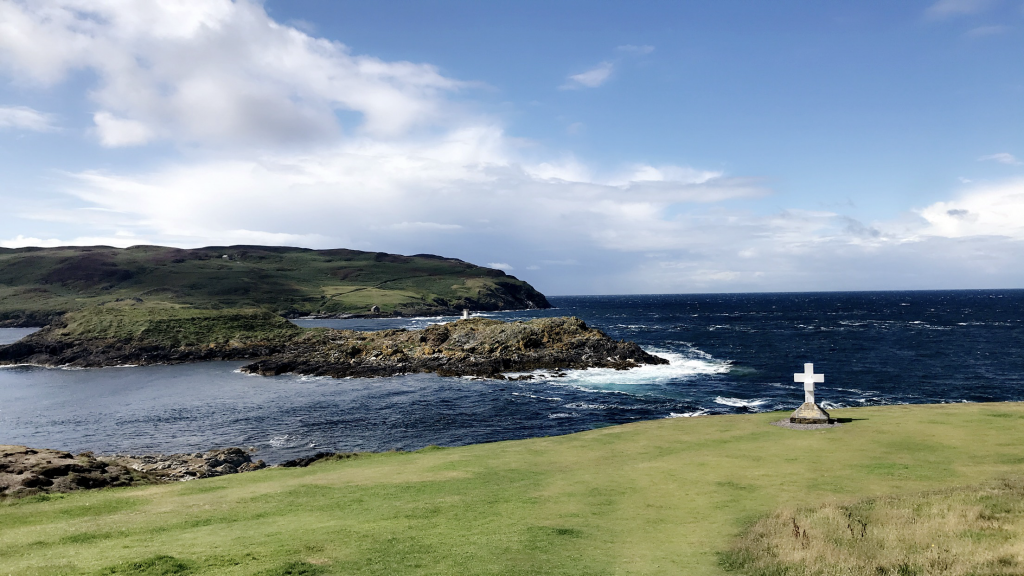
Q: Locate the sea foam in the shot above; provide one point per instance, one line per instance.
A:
(740, 402)
(679, 367)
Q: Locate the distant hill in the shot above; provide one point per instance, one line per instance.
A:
(39, 284)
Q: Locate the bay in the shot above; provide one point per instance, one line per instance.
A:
(729, 353)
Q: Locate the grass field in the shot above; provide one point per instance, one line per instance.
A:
(658, 497)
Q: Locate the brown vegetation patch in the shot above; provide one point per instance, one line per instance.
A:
(955, 532)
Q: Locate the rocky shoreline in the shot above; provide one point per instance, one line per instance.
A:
(31, 471)
(473, 347)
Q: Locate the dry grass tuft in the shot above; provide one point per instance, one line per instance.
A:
(960, 531)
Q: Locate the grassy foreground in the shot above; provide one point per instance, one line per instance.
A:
(660, 497)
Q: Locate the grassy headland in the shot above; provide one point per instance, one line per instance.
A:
(657, 497)
(40, 284)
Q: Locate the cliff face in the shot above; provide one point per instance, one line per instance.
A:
(130, 334)
(38, 285)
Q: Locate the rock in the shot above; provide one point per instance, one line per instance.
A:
(306, 461)
(474, 347)
(27, 471)
(251, 466)
(809, 413)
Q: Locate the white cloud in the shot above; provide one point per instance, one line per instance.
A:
(466, 183)
(987, 210)
(21, 241)
(620, 237)
(1002, 158)
(591, 78)
(25, 118)
(115, 132)
(500, 266)
(213, 71)
(638, 50)
(948, 8)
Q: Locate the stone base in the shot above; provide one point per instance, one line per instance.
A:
(809, 413)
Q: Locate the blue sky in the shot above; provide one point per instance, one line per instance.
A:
(588, 147)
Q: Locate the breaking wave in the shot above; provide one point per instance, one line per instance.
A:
(740, 402)
(679, 367)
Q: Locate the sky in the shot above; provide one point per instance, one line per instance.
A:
(588, 147)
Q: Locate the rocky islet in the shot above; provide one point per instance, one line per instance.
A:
(474, 347)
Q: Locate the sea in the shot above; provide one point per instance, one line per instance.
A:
(728, 354)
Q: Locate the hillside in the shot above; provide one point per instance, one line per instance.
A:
(40, 284)
(659, 497)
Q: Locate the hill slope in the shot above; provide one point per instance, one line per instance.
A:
(39, 284)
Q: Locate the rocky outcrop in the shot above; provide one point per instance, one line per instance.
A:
(318, 457)
(28, 471)
(173, 467)
(36, 349)
(474, 347)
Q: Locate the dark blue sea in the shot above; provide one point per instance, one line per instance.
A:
(729, 353)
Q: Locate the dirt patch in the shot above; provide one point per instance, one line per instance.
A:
(785, 423)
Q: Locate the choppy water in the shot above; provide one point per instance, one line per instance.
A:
(729, 354)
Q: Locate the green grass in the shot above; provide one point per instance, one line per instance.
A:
(659, 497)
(172, 326)
(38, 284)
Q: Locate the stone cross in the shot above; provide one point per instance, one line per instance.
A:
(809, 378)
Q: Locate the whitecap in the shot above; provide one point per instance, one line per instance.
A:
(282, 440)
(701, 412)
(740, 402)
(537, 397)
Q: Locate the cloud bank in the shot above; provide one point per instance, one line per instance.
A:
(212, 71)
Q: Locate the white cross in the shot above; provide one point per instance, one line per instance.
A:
(808, 377)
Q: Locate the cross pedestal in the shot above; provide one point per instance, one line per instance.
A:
(809, 412)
